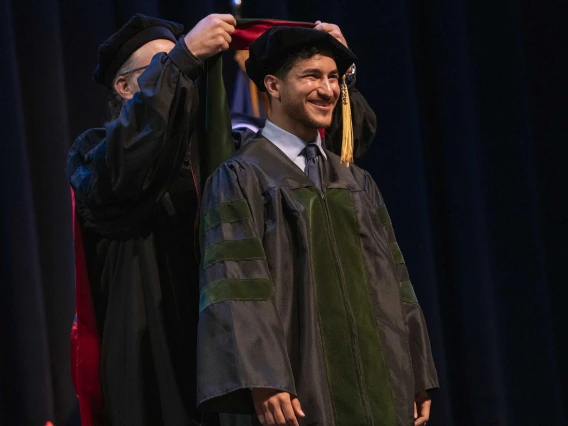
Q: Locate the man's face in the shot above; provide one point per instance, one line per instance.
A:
(310, 91)
(141, 58)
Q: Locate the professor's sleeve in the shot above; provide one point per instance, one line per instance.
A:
(240, 337)
(123, 170)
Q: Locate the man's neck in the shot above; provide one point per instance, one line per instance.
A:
(291, 126)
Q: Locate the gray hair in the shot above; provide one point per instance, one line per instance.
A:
(115, 101)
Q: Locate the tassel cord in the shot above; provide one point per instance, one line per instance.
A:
(347, 145)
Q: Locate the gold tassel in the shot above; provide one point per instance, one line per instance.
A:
(347, 144)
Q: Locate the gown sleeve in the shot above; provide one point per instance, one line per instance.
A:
(364, 124)
(424, 370)
(241, 343)
(130, 163)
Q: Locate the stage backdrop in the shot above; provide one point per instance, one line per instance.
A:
(471, 98)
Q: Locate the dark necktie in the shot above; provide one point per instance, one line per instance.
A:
(311, 152)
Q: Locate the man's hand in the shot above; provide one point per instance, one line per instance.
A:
(422, 405)
(331, 29)
(211, 35)
(275, 407)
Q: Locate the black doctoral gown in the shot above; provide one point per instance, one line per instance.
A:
(306, 292)
(136, 203)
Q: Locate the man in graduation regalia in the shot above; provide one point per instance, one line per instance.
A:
(307, 313)
(135, 202)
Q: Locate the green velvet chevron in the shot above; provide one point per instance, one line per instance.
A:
(229, 212)
(235, 289)
(233, 250)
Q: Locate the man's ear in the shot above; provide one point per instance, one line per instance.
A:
(124, 88)
(272, 84)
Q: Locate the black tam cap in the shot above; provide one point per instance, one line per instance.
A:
(271, 50)
(138, 31)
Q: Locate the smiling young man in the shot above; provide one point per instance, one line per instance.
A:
(307, 314)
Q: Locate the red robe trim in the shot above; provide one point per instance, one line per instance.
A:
(248, 30)
(85, 339)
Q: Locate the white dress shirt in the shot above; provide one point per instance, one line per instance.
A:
(290, 144)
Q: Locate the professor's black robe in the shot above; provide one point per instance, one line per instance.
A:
(306, 292)
(136, 205)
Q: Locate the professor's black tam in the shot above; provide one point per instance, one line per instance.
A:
(271, 50)
(138, 31)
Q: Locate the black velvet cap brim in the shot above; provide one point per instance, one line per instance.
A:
(138, 31)
(271, 50)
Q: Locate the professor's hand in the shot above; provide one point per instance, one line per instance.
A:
(211, 35)
(331, 29)
(275, 407)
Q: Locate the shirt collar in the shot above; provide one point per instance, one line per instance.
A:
(289, 144)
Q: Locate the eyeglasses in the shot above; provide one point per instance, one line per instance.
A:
(134, 70)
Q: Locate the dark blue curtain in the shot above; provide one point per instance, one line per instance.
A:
(471, 98)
